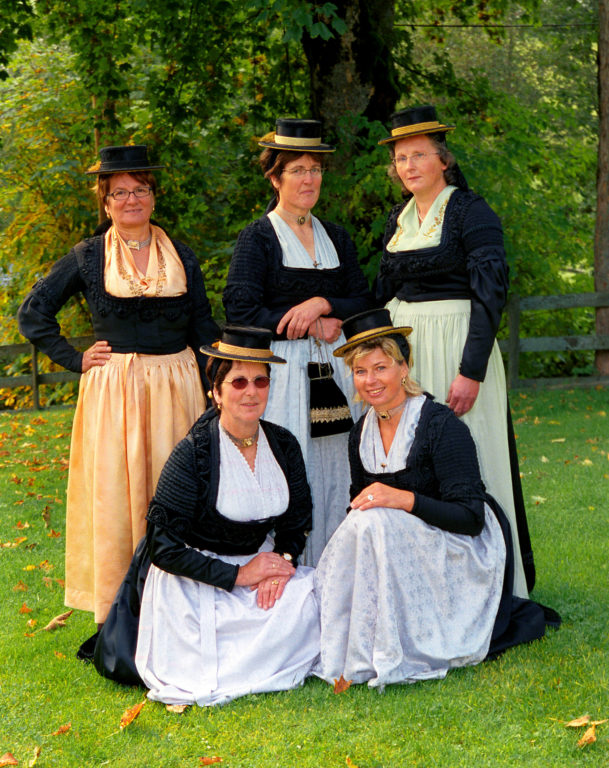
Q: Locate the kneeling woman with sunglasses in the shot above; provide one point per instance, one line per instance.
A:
(225, 611)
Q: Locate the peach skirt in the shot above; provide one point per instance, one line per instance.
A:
(131, 412)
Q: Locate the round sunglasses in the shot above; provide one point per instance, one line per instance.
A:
(240, 382)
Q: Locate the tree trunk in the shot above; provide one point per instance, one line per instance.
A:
(601, 236)
(354, 73)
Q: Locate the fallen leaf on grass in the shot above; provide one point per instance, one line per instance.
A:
(20, 586)
(21, 525)
(179, 708)
(558, 440)
(589, 737)
(25, 609)
(544, 460)
(578, 722)
(33, 761)
(209, 760)
(62, 729)
(58, 621)
(53, 534)
(8, 759)
(341, 685)
(130, 714)
(350, 762)
(46, 516)
(538, 499)
(32, 623)
(59, 654)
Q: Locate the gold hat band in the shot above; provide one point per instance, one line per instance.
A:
(372, 331)
(417, 128)
(230, 349)
(296, 142)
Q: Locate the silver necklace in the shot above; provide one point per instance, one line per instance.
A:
(137, 244)
(386, 415)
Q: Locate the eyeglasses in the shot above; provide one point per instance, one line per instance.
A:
(121, 194)
(240, 382)
(415, 158)
(299, 171)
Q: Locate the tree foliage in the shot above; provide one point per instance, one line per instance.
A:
(200, 80)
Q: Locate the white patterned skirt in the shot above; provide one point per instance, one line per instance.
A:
(439, 332)
(199, 644)
(402, 601)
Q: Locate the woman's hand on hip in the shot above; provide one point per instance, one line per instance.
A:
(326, 328)
(98, 354)
(381, 495)
(270, 590)
(298, 319)
(264, 565)
(462, 394)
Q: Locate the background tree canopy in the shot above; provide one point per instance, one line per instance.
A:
(200, 81)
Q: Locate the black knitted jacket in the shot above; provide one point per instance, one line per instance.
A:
(183, 513)
(149, 325)
(260, 290)
(468, 263)
(441, 470)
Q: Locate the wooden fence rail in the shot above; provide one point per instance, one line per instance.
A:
(513, 346)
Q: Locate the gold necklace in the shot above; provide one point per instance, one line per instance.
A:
(135, 287)
(243, 442)
(386, 415)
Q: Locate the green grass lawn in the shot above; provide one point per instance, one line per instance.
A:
(509, 712)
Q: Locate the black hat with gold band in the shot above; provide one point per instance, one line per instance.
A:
(247, 343)
(369, 325)
(295, 135)
(415, 121)
(123, 159)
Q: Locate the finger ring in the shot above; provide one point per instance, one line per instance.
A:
(370, 497)
(275, 583)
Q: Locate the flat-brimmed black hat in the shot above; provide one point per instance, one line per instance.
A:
(132, 157)
(243, 342)
(368, 325)
(295, 135)
(415, 121)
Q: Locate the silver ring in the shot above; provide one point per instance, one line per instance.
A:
(370, 497)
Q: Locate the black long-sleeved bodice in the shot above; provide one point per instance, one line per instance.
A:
(468, 263)
(260, 289)
(148, 325)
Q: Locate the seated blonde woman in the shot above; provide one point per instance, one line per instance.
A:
(419, 577)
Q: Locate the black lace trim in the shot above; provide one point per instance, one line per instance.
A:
(448, 256)
(90, 259)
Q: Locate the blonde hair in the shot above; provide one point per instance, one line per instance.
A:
(390, 347)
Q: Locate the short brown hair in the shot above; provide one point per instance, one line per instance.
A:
(273, 162)
(102, 184)
(216, 371)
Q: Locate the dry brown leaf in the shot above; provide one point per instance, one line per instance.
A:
(21, 525)
(341, 685)
(46, 516)
(24, 609)
(58, 621)
(130, 714)
(179, 708)
(589, 737)
(209, 760)
(350, 762)
(59, 654)
(32, 623)
(599, 722)
(62, 729)
(53, 534)
(578, 722)
(8, 759)
(37, 751)
(20, 587)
